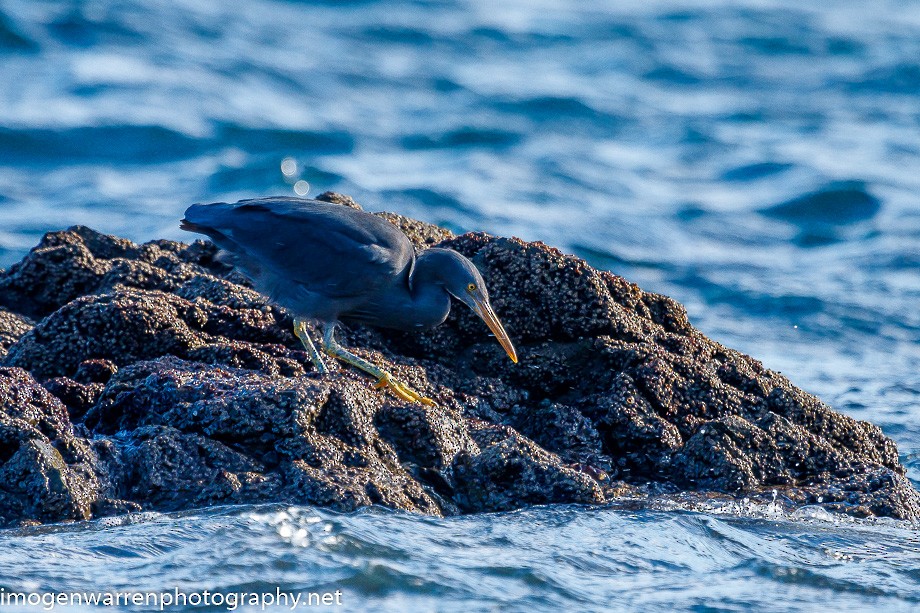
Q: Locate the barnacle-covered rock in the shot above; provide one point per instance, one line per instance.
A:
(47, 471)
(151, 376)
(12, 327)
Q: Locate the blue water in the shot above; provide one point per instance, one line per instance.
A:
(761, 164)
(562, 559)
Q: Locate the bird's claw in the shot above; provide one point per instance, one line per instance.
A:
(400, 390)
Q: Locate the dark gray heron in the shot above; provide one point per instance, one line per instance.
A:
(328, 263)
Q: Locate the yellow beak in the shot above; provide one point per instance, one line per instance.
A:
(484, 310)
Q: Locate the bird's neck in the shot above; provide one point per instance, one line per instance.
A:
(430, 302)
(416, 303)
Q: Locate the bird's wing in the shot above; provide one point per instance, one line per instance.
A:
(329, 249)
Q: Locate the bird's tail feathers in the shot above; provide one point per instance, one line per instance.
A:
(188, 226)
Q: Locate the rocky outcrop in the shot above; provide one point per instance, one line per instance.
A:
(152, 377)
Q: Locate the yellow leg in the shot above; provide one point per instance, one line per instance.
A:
(300, 331)
(384, 379)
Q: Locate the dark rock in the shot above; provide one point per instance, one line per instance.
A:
(169, 469)
(422, 235)
(77, 397)
(95, 371)
(633, 433)
(426, 436)
(204, 434)
(39, 485)
(517, 472)
(221, 403)
(169, 383)
(47, 473)
(12, 327)
(562, 430)
(80, 261)
(346, 488)
(343, 199)
(23, 399)
(123, 327)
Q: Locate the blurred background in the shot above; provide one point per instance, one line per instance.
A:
(760, 163)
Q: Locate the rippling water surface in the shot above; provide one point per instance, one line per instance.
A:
(760, 163)
(560, 559)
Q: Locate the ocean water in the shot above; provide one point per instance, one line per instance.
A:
(760, 163)
(539, 559)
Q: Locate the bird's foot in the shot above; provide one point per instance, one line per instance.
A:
(401, 390)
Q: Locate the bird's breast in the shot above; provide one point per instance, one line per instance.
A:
(402, 310)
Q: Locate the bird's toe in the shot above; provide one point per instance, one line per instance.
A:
(401, 390)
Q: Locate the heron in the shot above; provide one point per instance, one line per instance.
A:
(329, 263)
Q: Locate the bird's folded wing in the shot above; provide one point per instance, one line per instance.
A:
(327, 249)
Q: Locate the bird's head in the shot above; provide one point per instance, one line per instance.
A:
(462, 280)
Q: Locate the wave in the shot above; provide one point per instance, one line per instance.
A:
(126, 144)
(463, 138)
(835, 204)
(142, 144)
(12, 39)
(671, 556)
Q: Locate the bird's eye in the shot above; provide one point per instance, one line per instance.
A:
(471, 287)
